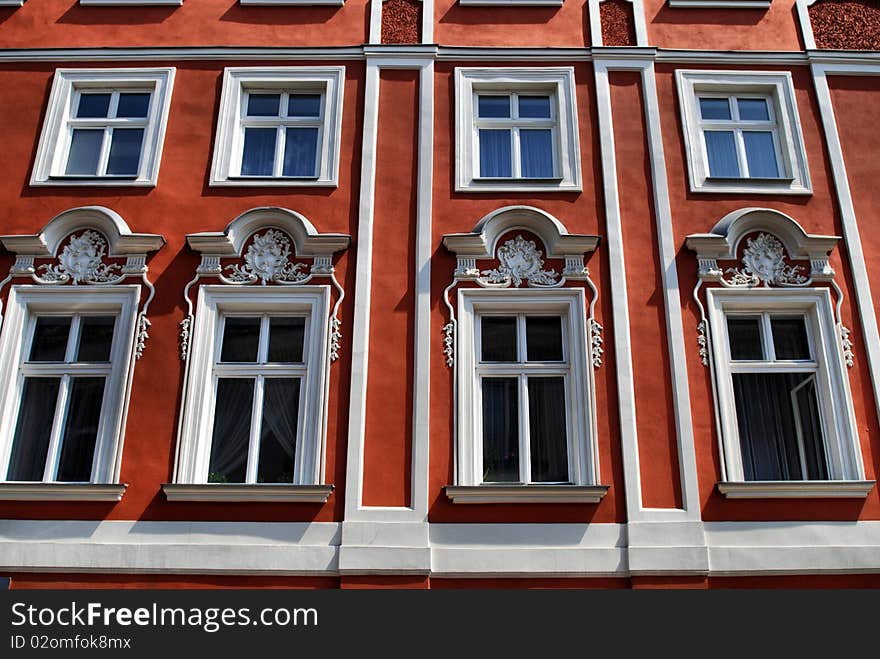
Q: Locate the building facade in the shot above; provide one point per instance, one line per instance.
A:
(438, 293)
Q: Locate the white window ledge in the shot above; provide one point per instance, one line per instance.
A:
(247, 492)
(796, 489)
(130, 3)
(11, 3)
(300, 3)
(526, 493)
(61, 491)
(505, 3)
(720, 4)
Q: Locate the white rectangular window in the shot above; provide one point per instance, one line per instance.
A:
(104, 126)
(742, 132)
(516, 129)
(279, 126)
(69, 354)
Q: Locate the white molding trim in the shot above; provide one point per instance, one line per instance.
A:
(803, 15)
(510, 3)
(261, 493)
(130, 3)
(11, 3)
(427, 31)
(62, 491)
(291, 3)
(52, 148)
(639, 23)
(719, 4)
(796, 489)
(515, 493)
(228, 141)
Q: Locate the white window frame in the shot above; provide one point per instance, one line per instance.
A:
(778, 89)
(229, 140)
(130, 3)
(565, 302)
(213, 304)
(28, 301)
(559, 83)
(840, 434)
(53, 148)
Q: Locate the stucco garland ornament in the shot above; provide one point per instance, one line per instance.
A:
(268, 259)
(520, 260)
(763, 262)
(82, 260)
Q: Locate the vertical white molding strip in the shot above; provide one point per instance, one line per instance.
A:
(620, 306)
(864, 300)
(687, 463)
(639, 22)
(360, 334)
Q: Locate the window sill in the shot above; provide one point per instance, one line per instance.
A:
(719, 4)
(301, 3)
(129, 3)
(100, 181)
(519, 185)
(796, 489)
(247, 493)
(257, 182)
(724, 185)
(61, 491)
(526, 493)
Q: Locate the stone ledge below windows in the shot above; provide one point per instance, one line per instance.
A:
(526, 493)
(796, 489)
(62, 491)
(248, 493)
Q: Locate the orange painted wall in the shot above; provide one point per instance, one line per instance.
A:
(817, 213)
(389, 422)
(181, 203)
(655, 422)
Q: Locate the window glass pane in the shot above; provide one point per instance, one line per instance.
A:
(300, 152)
(232, 427)
(544, 338)
(714, 108)
(722, 153)
(258, 155)
(304, 105)
(278, 430)
(286, 339)
(498, 339)
(133, 106)
(30, 443)
(50, 339)
(536, 150)
(495, 153)
(241, 339)
(95, 338)
(745, 338)
(500, 430)
(93, 106)
(547, 436)
(753, 109)
(125, 151)
(534, 107)
(760, 154)
(790, 338)
(778, 422)
(263, 105)
(80, 429)
(493, 107)
(85, 149)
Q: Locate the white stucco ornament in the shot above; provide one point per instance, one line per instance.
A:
(520, 260)
(764, 263)
(82, 260)
(268, 259)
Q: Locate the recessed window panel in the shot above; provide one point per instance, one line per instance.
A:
(495, 153)
(300, 152)
(544, 338)
(493, 107)
(753, 109)
(231, 436)
(790, 338)
(85, 152)
(721, 149)
(241, 339)
(536, 151)
(93, 106)
(258, 154)
(286, 336)
(33, 429)
(534, 107)
(82, 419)
(95, 338)
(500, 430)
(744, 334)
(498, 339)
(278, 430)
(50, 339)
(133, 106)
(760, 154)
(125, 151)
(263, 105)
(715, 108)
(547, 430)
(304, 105)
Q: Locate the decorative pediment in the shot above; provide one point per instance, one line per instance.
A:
(772, 239)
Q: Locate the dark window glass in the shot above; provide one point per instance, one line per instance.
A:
(500, 430)
(241, 339)
(498, 339)
(50, 339)
(125, 151)
(95, 338)
(286, 337)
(93, 106)
(30, 444)
(258, 155)
(536, 151)
(80, 429)
(493, 107)
(745, 338)
(714, 108)
(534, 107)
(304, 105)
(133, 106)
(495, 153)
(760, 154)
(278, 430)
(85, 150)
(263, 105)
(753, 109)
(232, 426)
(722, 153)
(547, 434)
(790, 338)
(300, 152)
(544, 338)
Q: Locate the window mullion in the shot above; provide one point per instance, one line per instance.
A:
(525, 460)
(767, 336)
(73, 339)
(741, 156)
(50, 471)
(280, 141)
(516, 165)
(253, 457)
